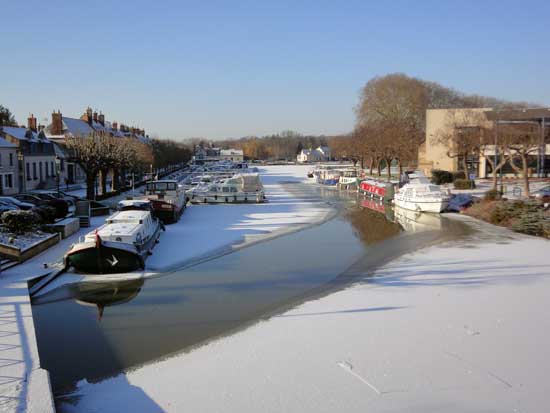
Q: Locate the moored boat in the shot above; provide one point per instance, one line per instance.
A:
(167, 198)
(376, 189)
(122, 244)
(239, 188)
(329, 177)
(422, 197)
(348, 178)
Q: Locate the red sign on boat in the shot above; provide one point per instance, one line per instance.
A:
(373, 188)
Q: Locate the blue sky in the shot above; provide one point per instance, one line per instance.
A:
(234, 68)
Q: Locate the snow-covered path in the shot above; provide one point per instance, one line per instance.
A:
(458, 327)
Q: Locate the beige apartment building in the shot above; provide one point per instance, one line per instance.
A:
(443, 126)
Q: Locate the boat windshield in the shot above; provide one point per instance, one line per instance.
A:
(153, 187)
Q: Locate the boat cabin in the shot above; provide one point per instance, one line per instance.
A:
(125, 226)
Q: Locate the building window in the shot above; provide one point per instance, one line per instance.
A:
(28, 171)
(52, 169)
(0, 159)
(46, 166)
(34, 171)
(11, 159)
(40, 170)
(8, 181)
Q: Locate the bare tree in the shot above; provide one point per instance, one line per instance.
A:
(522, 140)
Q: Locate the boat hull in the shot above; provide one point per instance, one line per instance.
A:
(427, 206)
(105, 259)
(329, 182)
(216, 198)
(167, 212)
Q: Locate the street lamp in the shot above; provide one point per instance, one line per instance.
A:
(57, 171)
(23, 178)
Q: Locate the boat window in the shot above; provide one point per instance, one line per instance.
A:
(233, 189)
(161, 186)
(213, 189)
(225, 189)
(434, 188)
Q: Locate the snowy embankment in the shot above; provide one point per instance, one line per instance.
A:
(459, 327)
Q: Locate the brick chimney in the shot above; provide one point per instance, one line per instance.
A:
(57, 123)
(115, 126)
(31, 122)
(101, 119)
(87, 117)
(95, 117)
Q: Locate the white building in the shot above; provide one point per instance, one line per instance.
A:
(37, 156)
(235, 155)
(320, 154)
(9, 170)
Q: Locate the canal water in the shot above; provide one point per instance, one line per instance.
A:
(92, 331)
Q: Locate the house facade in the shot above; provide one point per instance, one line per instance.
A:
(319, 154)
(444, 126)
(35, 156)
(91, 123)
(9, 168)
(235, 155)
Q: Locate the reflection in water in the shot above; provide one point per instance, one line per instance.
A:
(413, 221)
(140, 321)
(105, 295)
(371, 226)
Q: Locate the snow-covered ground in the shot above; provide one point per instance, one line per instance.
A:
(202, 231)
(462, 326)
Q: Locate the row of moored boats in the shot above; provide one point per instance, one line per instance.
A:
(412, 192)
(127, 238)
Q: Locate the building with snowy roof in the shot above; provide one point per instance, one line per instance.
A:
(33, 160)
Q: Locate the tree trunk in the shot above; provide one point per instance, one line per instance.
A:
(90, 184)
(400, 166)
(379, 168)
(525, 175)
(388, 169)
(465, 166)
(116, 180)
(103, 181)
(371, 165)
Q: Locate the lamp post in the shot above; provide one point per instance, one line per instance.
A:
(57, 171)
(22, 175)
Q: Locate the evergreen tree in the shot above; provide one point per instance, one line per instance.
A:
(6, 117)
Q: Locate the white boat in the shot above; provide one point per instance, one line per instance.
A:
(122, 244)
(348, 178)
(239, 188)
(422, 197)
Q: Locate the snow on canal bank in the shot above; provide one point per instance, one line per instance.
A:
(462, 326)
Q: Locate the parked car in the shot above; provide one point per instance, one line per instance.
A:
(61, 206)
(20, 204)
(543, 192)
(57, 195)
(5, 206)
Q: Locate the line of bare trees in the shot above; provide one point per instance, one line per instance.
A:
(391, 125)
(101, 155)
(98, 155)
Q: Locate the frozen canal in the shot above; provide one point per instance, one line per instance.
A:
(93, 331)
